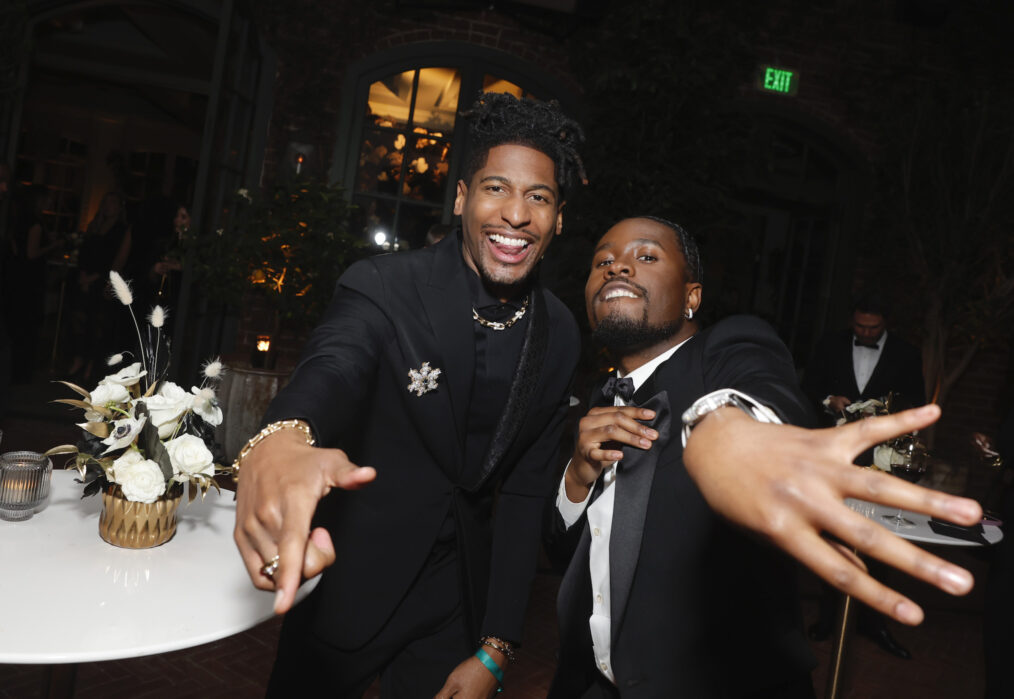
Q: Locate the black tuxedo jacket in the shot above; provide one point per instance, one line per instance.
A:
(831, 372)
(391, 314)
(699, 608)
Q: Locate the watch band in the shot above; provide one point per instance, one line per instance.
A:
(720, 399)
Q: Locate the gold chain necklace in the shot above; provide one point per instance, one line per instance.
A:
(497, 325)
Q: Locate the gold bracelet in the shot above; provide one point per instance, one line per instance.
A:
(265, 432)
(499, 644)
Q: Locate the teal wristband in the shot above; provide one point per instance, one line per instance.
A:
(491, 665)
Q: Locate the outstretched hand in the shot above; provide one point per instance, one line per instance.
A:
(280, 484)
(789, 485)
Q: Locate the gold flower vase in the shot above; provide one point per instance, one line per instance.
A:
(138, 525)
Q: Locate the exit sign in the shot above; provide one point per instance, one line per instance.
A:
(781, 80)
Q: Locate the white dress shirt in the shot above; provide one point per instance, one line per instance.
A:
(864, 360)
(600, 519)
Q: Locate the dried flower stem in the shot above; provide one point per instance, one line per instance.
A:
(122, 291)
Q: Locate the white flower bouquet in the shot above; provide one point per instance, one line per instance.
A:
(142, 432)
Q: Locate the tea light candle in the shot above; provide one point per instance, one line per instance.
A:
(24, 483)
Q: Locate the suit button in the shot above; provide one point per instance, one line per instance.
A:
(598, 599)
(597, 532)
(605, 668)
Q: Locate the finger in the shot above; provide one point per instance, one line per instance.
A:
(292, 538)
(841, 571)
(624, 430)
(604, 457)
(348, 476)
(863, 434)
(869, 537)
(319, 553)
(629, 410)
(256, 547)
(253, 561)
(879, 487)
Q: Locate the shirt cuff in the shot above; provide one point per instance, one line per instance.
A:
(569, 511)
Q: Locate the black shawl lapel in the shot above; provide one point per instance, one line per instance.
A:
(523, 388)
(633, 488)
(448, 308)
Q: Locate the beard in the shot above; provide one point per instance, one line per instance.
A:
(622, 335)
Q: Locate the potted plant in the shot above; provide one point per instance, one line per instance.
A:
(281, 254)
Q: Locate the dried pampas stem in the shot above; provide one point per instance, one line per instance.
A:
(122, 290)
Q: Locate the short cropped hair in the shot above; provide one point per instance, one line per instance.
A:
(691, 253)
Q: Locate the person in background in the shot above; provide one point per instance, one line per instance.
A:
(24, 289)
(106, 247)
(858, 364)
(437, 232)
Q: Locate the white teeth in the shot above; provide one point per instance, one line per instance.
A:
(619, 293)
(510, 242)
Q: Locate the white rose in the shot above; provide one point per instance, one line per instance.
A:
(141, 479)
(206, 405)
(167, 406)
(127, 376)
(106, 393)
(123, 433)
(189, 456)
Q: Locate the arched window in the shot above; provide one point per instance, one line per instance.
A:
(400, 155)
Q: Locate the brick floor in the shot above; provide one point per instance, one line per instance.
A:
(947, 648)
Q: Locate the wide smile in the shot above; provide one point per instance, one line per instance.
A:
(616, 290)
(508, 248)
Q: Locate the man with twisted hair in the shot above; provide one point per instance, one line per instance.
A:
(446, 370)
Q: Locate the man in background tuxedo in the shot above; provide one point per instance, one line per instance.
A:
(438, 379)
(861, 363)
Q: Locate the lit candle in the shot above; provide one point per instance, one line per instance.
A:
(24, 483)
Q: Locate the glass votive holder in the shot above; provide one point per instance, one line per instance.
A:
(24, 483)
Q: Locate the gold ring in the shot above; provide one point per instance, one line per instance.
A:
(269, 568)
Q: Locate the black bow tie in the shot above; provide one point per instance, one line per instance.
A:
(872, 347)
(624, 388)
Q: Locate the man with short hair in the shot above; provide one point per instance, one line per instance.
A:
(446, 370)
(664, 596)
(864, 362)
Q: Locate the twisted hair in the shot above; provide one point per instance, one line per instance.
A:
(691, 253)
(498, 119)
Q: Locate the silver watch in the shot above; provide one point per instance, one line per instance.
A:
(721, 398)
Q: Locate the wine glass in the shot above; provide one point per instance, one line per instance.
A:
(908, 462)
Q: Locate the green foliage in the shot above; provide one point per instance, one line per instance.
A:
(288, 246)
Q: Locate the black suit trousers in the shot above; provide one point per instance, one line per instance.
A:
(414, 652)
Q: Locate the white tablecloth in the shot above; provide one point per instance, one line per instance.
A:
(67, 596)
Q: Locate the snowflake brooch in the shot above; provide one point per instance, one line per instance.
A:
(424, 379)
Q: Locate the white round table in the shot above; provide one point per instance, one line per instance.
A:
(921, 531)
(69, 597)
